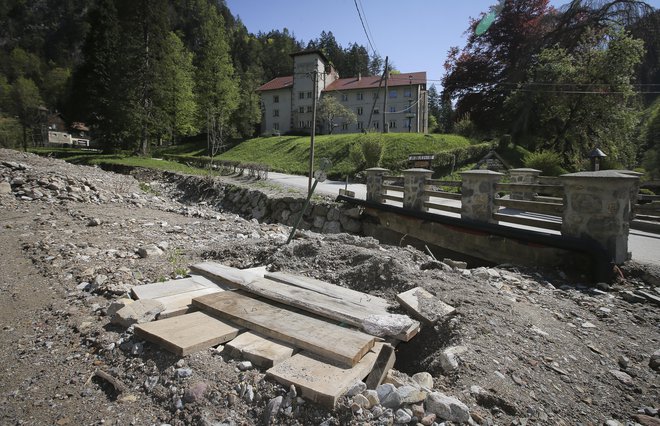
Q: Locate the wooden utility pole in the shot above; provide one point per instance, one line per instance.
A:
(311, 142)
(387, 76)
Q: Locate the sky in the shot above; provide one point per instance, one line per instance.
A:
(415, 34)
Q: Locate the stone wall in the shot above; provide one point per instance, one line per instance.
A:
(326, 217)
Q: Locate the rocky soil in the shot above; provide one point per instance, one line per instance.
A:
(525, 347)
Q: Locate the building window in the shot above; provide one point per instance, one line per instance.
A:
(276, 126)
(276, 113)
(360, 96)
(360, 125)
(301, 109)
(276, 99)
(376, 111)
(392, 109)
(309, 95)
(360, 110)
(301, 95)
(392, 124)
(344, 126)
(308, 125)
(375, 125)
(407, 93)
(375, 95)
(344, 97)
(301, 124)
(393, 93)
(310, 109)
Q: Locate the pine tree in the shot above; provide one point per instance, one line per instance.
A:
(174, 99)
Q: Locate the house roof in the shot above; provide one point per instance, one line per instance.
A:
(394, 80)
(277, 83)
(311, 51)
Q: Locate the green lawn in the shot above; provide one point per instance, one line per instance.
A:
(290, 154)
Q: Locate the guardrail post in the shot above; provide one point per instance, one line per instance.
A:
(597, 206)
(478, 194)
(375, 184)
(524, 176)
(414, 186)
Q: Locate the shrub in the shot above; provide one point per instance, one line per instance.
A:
(549, 162)
(465, 127)
(372, 150)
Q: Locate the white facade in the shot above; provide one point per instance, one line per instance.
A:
(287, 102)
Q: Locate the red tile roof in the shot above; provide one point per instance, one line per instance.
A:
(402, 79)
(395, 80)
(277, 83)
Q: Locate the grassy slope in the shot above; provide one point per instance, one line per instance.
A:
(290, 154)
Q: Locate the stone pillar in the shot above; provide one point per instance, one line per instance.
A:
(527, 177)
(478, 194)
(597, 207)
(375, 189)
(634, 193)
(414, 185)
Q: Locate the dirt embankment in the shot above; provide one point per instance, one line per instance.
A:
(532, 347)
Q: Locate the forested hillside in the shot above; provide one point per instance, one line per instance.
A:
(143, 71)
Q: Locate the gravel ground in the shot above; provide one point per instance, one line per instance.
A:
(531, 347)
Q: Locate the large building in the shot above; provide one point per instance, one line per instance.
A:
(287, 101)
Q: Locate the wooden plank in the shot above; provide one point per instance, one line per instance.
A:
(179, 304)
(273, 320)
(318, 380)
(171, 287)
(383, 364)
(322, 287)
(260, 350)
(423, 305)
(188, 333)
(225, 275)
(323, 299)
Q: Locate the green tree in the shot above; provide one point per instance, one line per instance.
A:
(575, 101)
(174, 96)
(96, 98)
(144, 32)
(25, 102)
(55, 86)
(330, 110)
(217, 90)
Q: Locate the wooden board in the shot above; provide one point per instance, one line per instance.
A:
(273, 320)
(225, 275)
(172, 287)
(424, 306)
(260, 350)
(318, 380)
(323, 299)
(188, 333)
(382, 366)
(179, 304)
(338, 292)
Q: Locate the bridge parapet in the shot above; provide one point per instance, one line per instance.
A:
(375, 190)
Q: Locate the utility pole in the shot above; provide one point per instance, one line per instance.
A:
(311, 142)
(387, 76)
(410, 114)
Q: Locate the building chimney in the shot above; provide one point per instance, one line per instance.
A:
(359, 76)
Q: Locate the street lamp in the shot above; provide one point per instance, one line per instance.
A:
(595, 155)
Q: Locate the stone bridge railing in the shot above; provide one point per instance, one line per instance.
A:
(591, 205)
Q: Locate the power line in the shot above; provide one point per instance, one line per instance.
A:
(366, 33)
(366, 21)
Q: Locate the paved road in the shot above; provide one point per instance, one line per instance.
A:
(645, 246)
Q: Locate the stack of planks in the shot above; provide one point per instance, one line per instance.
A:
(306, 332)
